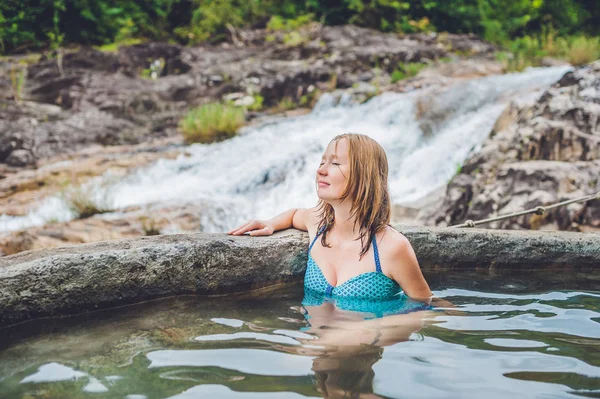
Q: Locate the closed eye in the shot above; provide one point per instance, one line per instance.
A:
(333, 163)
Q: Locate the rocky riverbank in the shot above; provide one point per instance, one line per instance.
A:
(88, 112)
(90, 97)
(537, 154)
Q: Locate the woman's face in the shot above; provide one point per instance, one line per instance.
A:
(333, 171)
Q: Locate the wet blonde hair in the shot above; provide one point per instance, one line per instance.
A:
(367, 188)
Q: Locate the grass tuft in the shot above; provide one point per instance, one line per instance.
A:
(529, 51)
(150, 226)
(407, 70)
(212, 122)
(580, 50)
(114, 47)
(82, 204)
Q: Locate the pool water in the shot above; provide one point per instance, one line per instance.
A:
(519, 334)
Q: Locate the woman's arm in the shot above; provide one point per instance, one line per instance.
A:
(296, 218)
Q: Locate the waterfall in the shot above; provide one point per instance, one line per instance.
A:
(271, 167)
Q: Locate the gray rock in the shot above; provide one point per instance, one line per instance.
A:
(551, 146)
(87, 277)
(20, 158)
(363, 88)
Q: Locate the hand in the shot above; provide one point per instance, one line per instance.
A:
(255, 227)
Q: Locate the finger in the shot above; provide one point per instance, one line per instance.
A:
(247, 227)
(237, 228)
(240, 228)
(262, 232)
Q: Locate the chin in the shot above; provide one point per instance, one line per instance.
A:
(328, 199)
(323, 197)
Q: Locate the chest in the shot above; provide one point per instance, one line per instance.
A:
(342, 262)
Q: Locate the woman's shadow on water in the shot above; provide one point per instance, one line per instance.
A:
(349, 336)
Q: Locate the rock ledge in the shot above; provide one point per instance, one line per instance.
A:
(64, 281)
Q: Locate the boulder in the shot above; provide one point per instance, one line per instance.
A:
(537, 154)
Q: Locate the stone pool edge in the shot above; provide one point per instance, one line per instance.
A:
(74, 279)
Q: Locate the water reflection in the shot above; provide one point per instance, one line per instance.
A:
(341, 342)
(495, 343)
(347, 372)
(223, 392)
(249, 361)
(353, 322)
(349, 338)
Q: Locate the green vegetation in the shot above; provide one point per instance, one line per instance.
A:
(27, 25)
(150, 226)
(294, 35)
(155, 69)
(82, 203)
(310, 98)
(527, 31)
(530, 50)
(285, 104)
(257, 105)
(211, 122)
(294, 39)
(278, 23)
(458, 168)
(114, 47)
(580, 50)
(17, 81)
(52, 220)
(405, 71)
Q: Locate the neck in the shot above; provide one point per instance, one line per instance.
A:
(344, 226)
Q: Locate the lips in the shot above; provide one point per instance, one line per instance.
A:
(322, 183)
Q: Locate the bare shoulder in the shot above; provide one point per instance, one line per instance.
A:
(312, 220)
(394, 243)
(306, 219)
(396, 252)
(399, 261)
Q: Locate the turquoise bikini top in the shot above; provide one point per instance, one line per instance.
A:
(371, 285)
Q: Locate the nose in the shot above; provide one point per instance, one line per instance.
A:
(322, 170)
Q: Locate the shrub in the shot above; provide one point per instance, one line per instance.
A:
(211, 122)
(294, 34)
(278, 23)
(257, 105)
(530, 50)
(525, 51)
(405, 71)
(285, 104)
(398, 75)
(580, 50)
(294, 39)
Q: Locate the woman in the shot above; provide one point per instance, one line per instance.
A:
(358, 255)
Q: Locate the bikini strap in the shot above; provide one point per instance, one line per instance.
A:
(322, 229)
(376, 252)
